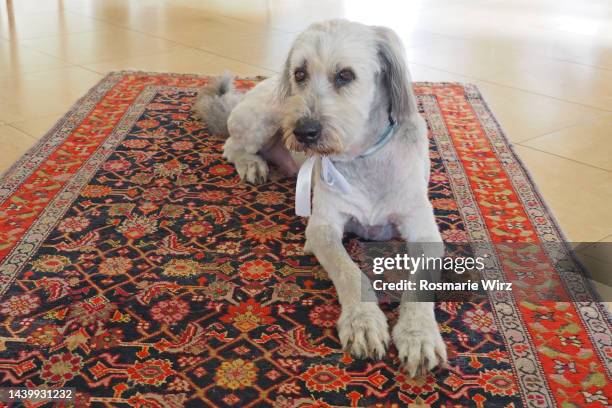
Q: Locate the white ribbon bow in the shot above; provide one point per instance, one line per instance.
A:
(329, 175)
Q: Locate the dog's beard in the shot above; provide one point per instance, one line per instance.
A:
(328, 145)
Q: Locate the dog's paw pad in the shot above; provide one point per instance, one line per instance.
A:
(253, 169)
(363, 330)
(420, 347)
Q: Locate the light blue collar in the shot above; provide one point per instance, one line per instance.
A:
(382, 140)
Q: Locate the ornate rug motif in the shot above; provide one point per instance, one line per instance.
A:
(137, 268)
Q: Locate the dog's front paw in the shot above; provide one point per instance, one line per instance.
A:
(252, 169)
(363, 330)
(420, 346)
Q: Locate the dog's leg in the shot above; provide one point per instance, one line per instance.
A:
(250, 166)
(362, 327)
(416, 333)
(253, 126)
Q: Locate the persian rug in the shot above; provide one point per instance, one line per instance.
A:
(136, 268)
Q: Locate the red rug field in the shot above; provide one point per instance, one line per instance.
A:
(136, 268)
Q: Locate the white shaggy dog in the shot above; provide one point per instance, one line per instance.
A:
(344, 96)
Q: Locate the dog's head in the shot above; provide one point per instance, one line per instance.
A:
(339, 77)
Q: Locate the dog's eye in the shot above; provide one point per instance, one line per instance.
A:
(344, 77)
(300, 75)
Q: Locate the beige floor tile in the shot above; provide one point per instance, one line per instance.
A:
(588, 142)
(565, 80)
(601, 251)
(31, 7)
(117, 11)
(601, 278)
(294, 16)
(503, 65)
(43, 93)
(11, 8)
(584, 18)
(420, 73)
(92, 47)
(14, 144)
(141, 15)
(289, 16)
(504, 17)
(268, 51)
(183, 60)
(518, 29)
(570, 188)
(16, 59)
(565, 46)
(249, 43)
(28, 26)
(524, 115)
(447, 47)
(37, 127)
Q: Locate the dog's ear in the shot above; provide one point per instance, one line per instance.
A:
(395, 75)
(284, 84)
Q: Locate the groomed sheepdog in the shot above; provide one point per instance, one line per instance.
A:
(344, 100)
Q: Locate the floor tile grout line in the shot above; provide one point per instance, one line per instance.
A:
(511, 87)
(99, 62)
(531, 53)
(19, 42)
(29, 48)
(175, 42)
(573, 124)
(40, 37)
(563, 157)
(91, 70)
(593, 243)
(21, 131)
(229, 17)
(56, 12)
(38, 71)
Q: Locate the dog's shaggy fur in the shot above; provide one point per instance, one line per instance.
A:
(217, 100)
(341, 82)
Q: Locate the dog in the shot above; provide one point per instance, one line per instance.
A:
(345, 89)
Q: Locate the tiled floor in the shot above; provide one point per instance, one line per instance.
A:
(544, 66)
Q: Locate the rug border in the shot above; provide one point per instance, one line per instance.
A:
(523, 366)
(5, 174)
(596, 300)
(596, 296)
(119, 131)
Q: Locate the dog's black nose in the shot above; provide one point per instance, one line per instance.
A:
(307, 130)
